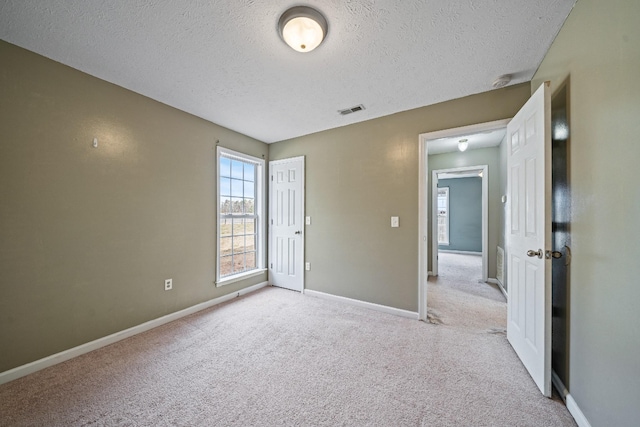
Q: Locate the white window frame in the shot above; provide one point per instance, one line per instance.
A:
(446, 191)
(260, 213)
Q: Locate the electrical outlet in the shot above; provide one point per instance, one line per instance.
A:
(307, 266)
(168, 284)
(395, 221)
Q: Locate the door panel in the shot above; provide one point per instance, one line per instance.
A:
(529, 229)
(286, 230)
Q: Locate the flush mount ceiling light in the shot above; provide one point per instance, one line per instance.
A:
(463, 144)
(302, 28)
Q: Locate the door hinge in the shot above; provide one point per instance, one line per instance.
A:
(271, 265)
(271, 177)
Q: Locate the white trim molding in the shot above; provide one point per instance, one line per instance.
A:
(572, 406)
(364, 304)
(497, 282)
(577, 414)
(557, 382)
(63, 356)
(240, 276)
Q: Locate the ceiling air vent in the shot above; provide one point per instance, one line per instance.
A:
(351, 110)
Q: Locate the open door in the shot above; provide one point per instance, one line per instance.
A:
(286, 223)
(529, 236)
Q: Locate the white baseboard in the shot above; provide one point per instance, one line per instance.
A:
(453, 251)
(577, 414)
(499, 283)
(572, 406)
(65, 355)
(555, 379)
(364, 304)
(429, 273)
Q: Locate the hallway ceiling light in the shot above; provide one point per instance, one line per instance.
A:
(302, 28)
(463, 144)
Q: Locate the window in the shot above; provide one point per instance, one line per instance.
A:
(443, 216)
(240, 216)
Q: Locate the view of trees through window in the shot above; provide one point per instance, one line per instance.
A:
(238, 219)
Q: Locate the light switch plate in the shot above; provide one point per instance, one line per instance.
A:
(307, 220)
(395, 221)
(307, 266)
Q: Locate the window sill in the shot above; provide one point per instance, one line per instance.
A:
(238, 277)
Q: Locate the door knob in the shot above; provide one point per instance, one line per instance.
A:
(531, 253)
(298, 232)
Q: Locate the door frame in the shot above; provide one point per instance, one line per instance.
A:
(302, 216)
(485, 216)
(423, 185)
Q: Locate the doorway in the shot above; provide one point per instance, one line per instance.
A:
(460, 212)
(536, 204)
(427, 143)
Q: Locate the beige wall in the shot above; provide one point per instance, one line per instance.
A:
(598, 49)
(485, 156)
(89, 235)
(360, 175)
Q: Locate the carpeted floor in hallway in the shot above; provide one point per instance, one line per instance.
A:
(276, 357)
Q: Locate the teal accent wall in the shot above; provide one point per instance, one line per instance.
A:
(465, 218)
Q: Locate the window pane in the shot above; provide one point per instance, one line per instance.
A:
(225, 187)
(225, 205)
(238, 245)
(248, 206)
(250, 258)
(236, 205)
(225, 227)
(238, 226)
(249, 189)
(225, 266)
(236, 188)
(225, 246)
(238, 263)
(250, 242)
(236, 169)
(249, 172)
(225, 166)
(251, 226)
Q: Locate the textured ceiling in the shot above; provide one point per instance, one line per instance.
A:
(223, 60)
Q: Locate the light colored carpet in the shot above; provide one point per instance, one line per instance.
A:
(276, 357)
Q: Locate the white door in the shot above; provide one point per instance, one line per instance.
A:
(286, 223)
(529, 236)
